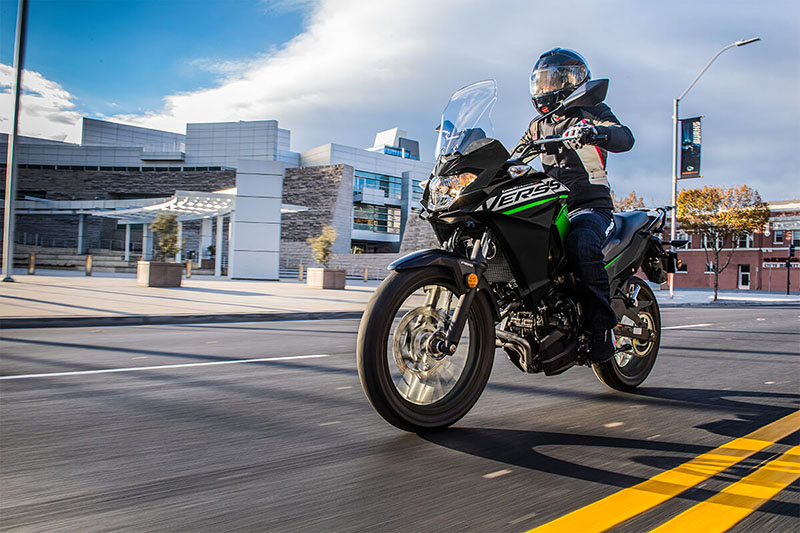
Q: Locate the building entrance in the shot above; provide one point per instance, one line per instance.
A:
(744, 276)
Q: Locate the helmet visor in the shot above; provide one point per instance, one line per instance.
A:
(546, 80)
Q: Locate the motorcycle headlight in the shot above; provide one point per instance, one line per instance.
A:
(444, 190)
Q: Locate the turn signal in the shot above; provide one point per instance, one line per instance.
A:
(472, 281)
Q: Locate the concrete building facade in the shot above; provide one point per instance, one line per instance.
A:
(366, 194)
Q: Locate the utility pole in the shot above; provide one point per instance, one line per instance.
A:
(11, 161)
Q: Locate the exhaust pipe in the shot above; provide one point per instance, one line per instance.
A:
(517, 345)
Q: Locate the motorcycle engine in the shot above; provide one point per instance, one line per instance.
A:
(523, 323)
(556, 315)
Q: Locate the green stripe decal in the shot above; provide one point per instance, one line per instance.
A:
(528, 206)
(613, 261)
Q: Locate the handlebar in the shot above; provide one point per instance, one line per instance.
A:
(598, 137)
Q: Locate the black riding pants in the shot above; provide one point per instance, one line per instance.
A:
(589, 230)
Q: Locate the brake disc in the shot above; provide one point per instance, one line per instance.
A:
(411, 341)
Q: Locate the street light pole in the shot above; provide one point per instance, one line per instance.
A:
(673, 234)
(11, 160)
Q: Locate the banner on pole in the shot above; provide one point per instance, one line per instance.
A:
(691, 135)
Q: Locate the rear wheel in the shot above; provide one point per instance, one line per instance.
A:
(628, 369)
(411, 386)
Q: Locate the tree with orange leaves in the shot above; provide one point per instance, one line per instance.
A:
(720, 216)
(629, 202)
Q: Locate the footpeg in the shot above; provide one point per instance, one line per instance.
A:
(624, 348)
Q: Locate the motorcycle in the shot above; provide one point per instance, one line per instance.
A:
(427, 339)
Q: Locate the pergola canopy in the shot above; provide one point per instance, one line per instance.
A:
(187, 205)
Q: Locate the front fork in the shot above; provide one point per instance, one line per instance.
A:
(480, 251)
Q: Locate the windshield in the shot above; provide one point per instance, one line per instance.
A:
(466, 118)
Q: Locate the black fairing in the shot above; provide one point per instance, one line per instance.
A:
(525, 233)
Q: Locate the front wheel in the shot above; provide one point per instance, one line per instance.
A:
(412, 387)
(628, 369)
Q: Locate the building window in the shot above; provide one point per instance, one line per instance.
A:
(392, 186)
(684, 237)
(744, 241)
(682, 268)
(416, 195)
(708, 242)
(709, 267)
(778, 239)
(377, 218)
(391, 150)
(399, 152)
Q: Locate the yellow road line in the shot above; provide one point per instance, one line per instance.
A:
(627, 503)
(726, 509)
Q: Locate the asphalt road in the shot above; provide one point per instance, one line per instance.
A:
(177, 441)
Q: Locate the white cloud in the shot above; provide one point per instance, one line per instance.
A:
(361, 66)
(47, 109)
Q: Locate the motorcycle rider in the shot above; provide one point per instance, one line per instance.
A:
(580, 164)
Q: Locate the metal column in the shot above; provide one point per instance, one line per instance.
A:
(147, 243)
(179, 255)
(11, 167)
(81, 249)
(218, 254)
(127, 242)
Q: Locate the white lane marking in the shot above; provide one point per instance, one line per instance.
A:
(343, 388)
(162, 367)
(233, 324)
(522, 519)
(769, 383)
(651, 437)
(330, 423)
(613, 424)
(688, 326)
(496, 474)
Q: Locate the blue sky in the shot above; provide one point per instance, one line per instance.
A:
(123, 56)
(341, 70)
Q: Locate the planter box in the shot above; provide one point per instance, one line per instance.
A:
(158, 274)
(326, 278)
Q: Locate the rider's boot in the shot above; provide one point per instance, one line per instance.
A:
(601, 346)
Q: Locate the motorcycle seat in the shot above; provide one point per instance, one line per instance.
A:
(625, 227)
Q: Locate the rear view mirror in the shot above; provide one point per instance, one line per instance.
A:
(590, 93)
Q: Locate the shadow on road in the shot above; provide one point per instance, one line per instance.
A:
(529, 448)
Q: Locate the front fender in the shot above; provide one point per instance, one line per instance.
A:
(459, 266)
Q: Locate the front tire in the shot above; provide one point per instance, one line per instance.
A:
(407, 386)
(627, 370)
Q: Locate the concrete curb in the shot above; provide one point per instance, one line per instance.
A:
(667, 305)
(161, 320)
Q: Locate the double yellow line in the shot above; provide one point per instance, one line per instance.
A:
(720, 512)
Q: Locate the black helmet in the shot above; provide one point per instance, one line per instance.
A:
(555, 75)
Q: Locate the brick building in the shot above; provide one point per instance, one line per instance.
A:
(757, 260)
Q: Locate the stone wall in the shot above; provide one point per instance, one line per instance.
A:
(418, 235)
(327, 191)
(110, 185)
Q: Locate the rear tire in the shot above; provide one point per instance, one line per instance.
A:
(406, 386)
(627, 370)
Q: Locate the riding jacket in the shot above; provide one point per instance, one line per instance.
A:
(582, 171)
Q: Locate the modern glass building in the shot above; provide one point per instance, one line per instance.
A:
(386, 176)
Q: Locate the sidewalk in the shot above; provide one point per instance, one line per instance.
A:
(62, 298)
